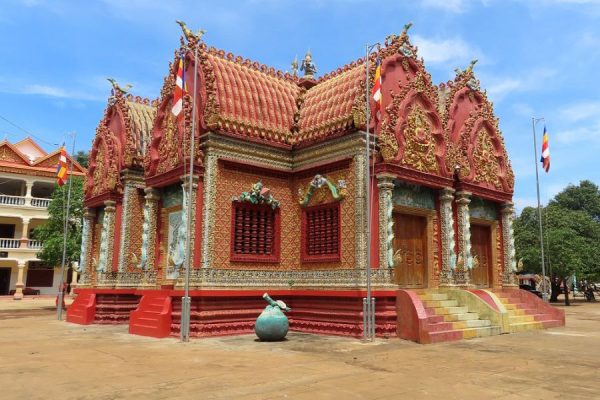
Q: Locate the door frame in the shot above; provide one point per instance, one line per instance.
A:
(429, 218)
(9, 269)
(493, 225)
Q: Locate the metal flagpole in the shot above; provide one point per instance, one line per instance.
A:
(66, 230)
(185, 301)
(368, 303)
(537, 181)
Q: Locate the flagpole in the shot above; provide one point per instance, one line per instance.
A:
(537, 181)
(186, 301)
(66, 230)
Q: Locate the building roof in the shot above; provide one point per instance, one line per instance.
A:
(13, 160)
(141, 116)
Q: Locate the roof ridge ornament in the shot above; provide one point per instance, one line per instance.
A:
(191, 37)
(117, 91)
(308, 66)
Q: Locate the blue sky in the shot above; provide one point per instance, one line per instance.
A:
(537, 58)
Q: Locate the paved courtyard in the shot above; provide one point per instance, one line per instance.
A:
(46, 359)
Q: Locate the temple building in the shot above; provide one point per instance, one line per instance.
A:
(27, 180)
(279, 203)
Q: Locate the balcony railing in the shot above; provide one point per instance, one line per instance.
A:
(12, 200)
(34, 244)
(39, 202)
(10, 243)
(23, 201)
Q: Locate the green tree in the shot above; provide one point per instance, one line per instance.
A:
(83, 158)
(51, 234)
(571, 236)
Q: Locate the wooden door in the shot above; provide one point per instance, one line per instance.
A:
(481, 247)
(410, 237)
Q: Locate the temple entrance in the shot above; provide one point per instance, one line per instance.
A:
(481, 249)
(410, 237)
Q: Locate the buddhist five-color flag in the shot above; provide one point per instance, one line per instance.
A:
(178, 92)
(545, 151)
(376, 93)
(61, 168)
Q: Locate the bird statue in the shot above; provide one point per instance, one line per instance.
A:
(406, 28)
(189, 35)
(117, 88)
(471, 65)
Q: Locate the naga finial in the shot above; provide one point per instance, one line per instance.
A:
(406, 28)
(295, 66)
(308, 66)
(117, 88)
(471, 65)
(189, 35)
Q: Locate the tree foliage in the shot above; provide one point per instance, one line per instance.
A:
(571, 224)
(83, 158)
(51, 234)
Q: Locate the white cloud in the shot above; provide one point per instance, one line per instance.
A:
(453, 51)
(455, 6)
(499, 87)
(581, 111)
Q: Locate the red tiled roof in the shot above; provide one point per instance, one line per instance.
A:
(251, 102)
(327, 106)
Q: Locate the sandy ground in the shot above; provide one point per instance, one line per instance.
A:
(42, 358)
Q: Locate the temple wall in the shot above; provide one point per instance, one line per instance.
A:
(231, 183)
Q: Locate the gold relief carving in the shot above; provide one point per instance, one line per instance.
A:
(99, 172)
(168, 151)
(388, 145)
(419, 148)
(487, 169)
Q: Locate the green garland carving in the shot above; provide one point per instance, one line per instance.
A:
(338, 192)
(258, 195)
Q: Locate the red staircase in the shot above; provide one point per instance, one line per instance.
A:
(527, 311)
(83, 309)
(152, 316)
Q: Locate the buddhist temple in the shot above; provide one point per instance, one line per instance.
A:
(279, 203)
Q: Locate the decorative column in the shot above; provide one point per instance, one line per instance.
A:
(360, 163)
(385, 183)
(25, 232)
(107, 238)
(189, 205)
(20, 284)
(89, 215)
(508, 238)
(132, 181)
(147, 258)
(464, 261)
(448, 242)
(28, 186)
(210, 192)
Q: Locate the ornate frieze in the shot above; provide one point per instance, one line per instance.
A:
(483, 209)
(448, 255)
(464, 259)
(414, 196)
(419, 143)
(360, 165)
(487, 167)
(510, 264)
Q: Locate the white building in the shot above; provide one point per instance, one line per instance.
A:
(27, 180)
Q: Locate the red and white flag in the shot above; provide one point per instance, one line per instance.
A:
(179, 91)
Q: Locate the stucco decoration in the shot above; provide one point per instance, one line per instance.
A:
(338, 192)
(476, 145)
(105, 164)
(414, 196)
(483, 209)
(258, 195)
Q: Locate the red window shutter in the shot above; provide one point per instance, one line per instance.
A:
(254, 231)
(321, 233)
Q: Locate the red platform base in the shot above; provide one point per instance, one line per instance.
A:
(83, 309)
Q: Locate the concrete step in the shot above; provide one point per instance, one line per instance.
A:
(526, 326)
(518, 319)
(433, 296)
(450, 310)
(471, 323)
(481, 332)
(440, 303)
(466, 316)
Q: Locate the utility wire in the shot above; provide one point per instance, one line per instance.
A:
(28, 132)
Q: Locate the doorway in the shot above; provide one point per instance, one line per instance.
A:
(481, 249)
(4, 281)
(410, 238)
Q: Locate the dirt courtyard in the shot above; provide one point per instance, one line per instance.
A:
(42, 358)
